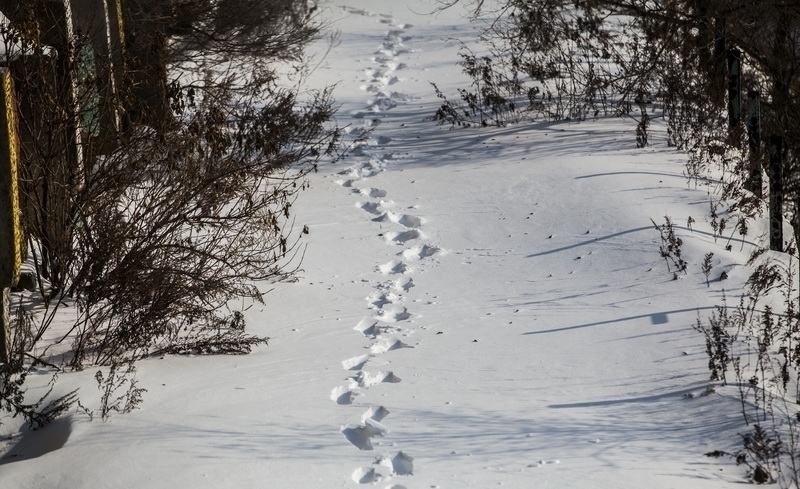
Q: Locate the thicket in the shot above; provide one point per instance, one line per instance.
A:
(725, 76)
(573, 60)
(149, 208)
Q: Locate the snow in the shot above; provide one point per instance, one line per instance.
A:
(476, 308)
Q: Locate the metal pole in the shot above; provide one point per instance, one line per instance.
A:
(754, 181)
(776, 193)
(5, 324)
(734, 88)
(719, 62)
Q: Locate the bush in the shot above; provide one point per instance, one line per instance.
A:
(756, 349)
(151, 208)
(13, 376)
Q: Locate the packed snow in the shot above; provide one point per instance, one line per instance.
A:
(476, 308)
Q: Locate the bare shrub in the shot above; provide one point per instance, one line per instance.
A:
(757, 349)
(671, 246)
(14, 398)
(176, 225)
(152, 227)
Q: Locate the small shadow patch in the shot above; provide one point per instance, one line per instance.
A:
(659, 318)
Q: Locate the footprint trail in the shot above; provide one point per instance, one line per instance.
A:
(390, 322)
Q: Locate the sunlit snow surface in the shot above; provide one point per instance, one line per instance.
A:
(476, 308)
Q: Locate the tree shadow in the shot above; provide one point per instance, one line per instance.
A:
(656, 318)
(34, 444)
(636, 230)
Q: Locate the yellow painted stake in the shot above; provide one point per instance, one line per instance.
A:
(11, 235)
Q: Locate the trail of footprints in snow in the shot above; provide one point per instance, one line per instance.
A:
(387, 328)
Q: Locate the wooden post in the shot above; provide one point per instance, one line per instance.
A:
(776, 193)
(755, 179)
(11, 236)
(734, 88)
(719, 61)
(145, 23)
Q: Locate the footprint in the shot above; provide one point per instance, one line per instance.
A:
(368, 170)
(364, 170)
(365, 379)
(378, 161)
(372, 193)
(385, 217)
(356, 363)
(402, 464)
(387, 80)
(409, 221)
(366, 475)
(420, 252)
(368, 327)
(378, 299)
(361, 435)
(403, 284)
(381, 105)
(403, 237)
(393, 314)
(376, 413)
(371, 207)
(393, 267)
(402, 219)
(354, 10)
(349, 172)
(388, 345)
(344, 395)
(390, 48)
(378, 302)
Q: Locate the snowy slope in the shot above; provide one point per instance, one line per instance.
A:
(476, 308)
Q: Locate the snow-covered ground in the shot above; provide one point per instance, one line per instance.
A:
(477, 307)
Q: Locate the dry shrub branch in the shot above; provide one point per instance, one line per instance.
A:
(150, 207)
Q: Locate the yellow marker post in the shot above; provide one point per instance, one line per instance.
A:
(11, 236)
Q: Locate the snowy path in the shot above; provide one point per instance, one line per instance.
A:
(391, 325)
(386, 327)
(572, 404)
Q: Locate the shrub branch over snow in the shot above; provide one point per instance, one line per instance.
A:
(158, 226)
(725, 75)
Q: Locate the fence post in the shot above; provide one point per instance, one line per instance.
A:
(755, 179)
(719, 61)
(11, 237)
(146, 62)
(776, 193)
(734, 88)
